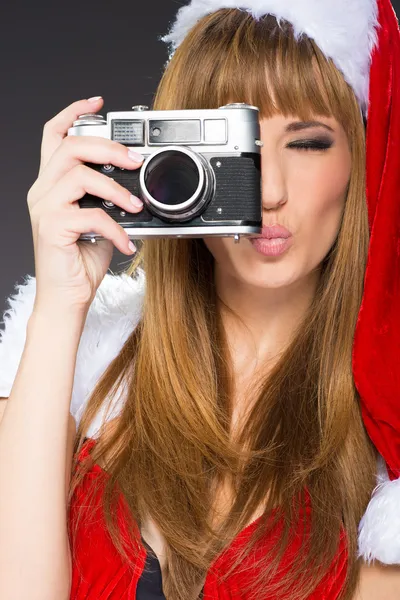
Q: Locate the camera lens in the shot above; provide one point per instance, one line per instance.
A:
(172, 177)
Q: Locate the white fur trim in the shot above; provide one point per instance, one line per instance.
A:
(12, 338)
(112, 316)
(345, 30)
(379, 529)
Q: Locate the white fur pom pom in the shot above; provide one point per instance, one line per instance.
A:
(379, 529)
(112, 316)
(345, 30)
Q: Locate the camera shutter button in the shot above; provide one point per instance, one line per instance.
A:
(89, 119)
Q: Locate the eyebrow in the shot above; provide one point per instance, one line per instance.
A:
(300, 125)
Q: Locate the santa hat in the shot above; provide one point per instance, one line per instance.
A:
(362, 38)
(345, 31)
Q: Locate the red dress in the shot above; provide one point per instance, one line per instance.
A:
(98, 572)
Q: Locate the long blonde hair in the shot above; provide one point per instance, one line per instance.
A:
(171, 443)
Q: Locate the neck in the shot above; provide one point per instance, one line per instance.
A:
(265, 318)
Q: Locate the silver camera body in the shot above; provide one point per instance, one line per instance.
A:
(201, 175)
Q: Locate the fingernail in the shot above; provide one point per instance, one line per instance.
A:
(94, 99)
(132, 247)
(136, 201)
(135, 156)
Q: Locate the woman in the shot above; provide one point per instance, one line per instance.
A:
(224, 402)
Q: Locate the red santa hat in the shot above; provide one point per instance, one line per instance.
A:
(362, 37)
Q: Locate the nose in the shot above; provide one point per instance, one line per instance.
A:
(273, 184)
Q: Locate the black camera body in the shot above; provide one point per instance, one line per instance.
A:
(201, 175)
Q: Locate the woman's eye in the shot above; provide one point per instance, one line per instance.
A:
(311, 145)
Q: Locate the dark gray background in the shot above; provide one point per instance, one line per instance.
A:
(53, 54)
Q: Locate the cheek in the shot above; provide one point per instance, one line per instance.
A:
(317, 195)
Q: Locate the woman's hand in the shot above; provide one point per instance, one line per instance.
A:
(68, 271)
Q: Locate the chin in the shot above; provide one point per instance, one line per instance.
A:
(243, 263)
(266, 277)
(263, 272)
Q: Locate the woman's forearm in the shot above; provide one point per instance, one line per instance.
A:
(34, 548)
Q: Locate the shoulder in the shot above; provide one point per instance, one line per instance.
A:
(378, 580)
(114, 313)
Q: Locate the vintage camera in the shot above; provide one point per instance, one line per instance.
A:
(201, 175)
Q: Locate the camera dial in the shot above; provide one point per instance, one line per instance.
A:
(239, 105)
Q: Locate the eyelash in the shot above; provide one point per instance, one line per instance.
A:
(311, 145)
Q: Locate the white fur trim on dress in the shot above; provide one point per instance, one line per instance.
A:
(345, 30)
(113, 314)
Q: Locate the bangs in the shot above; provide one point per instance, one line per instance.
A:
(231, 57)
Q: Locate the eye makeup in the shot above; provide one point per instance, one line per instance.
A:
(322, 143)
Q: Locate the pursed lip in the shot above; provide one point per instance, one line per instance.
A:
(272, 232)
